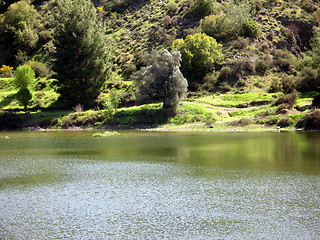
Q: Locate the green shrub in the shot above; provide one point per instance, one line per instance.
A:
(262, 66)
(217, 26)
(40, 69)
(285, 122)
(241, 122)
(171, 7)
(287, 101)
(283, 83)
(288, 83)
(312, 120)
(203, 7)
(210, 80)
(237, 13)
(276, 85)
(240, 43)
(26, 39)
(251, 29)
(308, 79)
(284, 60)
(200, 53)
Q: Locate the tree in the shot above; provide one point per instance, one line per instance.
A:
(20, 21)
(22, 79)
(200, 53)
(162, 81)
(82, 52)
(308, 78)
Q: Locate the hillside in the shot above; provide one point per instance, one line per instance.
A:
(267, 47)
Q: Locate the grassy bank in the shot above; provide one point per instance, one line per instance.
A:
(251, 111)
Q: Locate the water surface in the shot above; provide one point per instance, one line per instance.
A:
(69, 185)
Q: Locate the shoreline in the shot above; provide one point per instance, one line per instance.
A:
(194, 127)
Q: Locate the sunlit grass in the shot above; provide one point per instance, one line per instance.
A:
(233, 100)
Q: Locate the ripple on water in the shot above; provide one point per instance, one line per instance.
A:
(141, 200)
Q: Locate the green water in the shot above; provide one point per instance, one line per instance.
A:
(70, 185)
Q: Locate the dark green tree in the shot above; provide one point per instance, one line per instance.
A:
(82, 52)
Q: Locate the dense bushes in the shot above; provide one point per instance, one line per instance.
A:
(312, 120)
(203, 7)
(20, 21)
(234, 19)
(216, 26)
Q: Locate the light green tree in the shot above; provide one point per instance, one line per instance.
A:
(22, 79)
(200, 53)
(82, 52)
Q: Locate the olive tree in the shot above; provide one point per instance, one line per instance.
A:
(82, 52)
(162, 81)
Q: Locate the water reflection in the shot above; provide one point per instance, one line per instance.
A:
(160, 186)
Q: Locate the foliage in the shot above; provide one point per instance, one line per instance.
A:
(308, 79)
(309, 75)
(111, 103)
(233, 19)
(316, 101)
(82, 54)
(106, 134)
(233, 100)
(23, 77)
(287, 101)
(24, 97)
(203, 7)
(262, 66)
(20, 21)
(191, 113)
(162, 81)
(6, 71)
(9, 121)
(312, 120)
(216, 26)
(21, 15)
(251, 28)
(26, 39)
(199, 53)
(284, 60)
(40, 69)
(285, 122)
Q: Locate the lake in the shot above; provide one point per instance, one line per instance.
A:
(147, 185)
